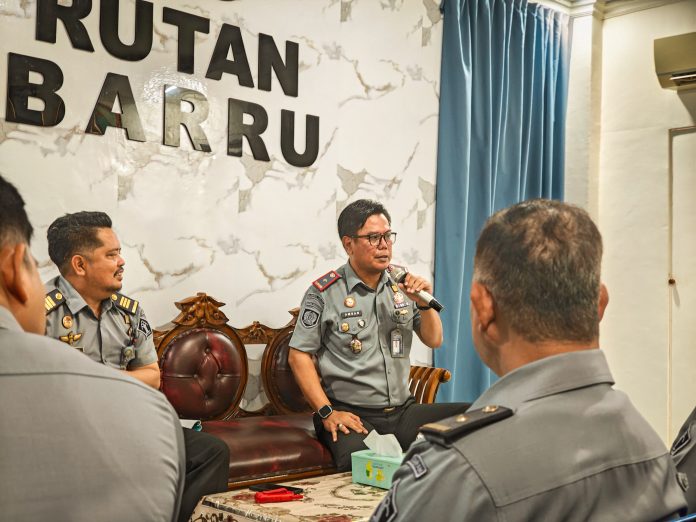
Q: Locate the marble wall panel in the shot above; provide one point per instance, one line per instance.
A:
(253, 234)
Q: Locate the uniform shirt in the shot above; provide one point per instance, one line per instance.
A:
(119, 339)
(684, 456)
(327, 325)
(574, 449)
(79, 441)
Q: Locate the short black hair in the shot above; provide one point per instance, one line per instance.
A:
(14, 222)
(541, 261)
(354, 216)
(74, 233)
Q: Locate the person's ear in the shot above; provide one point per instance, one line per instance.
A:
(77, 263)
(603, 301)
(15, 272)
(347, 242)
(483, 305)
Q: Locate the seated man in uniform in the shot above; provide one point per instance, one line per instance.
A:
(552, 439)
(78, 441)
(359, 324)
(86, 311)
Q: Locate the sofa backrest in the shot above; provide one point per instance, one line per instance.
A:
(204, 365)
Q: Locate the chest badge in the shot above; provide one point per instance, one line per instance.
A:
(345, 327)
(349, 301)
(67, 322)
(398, 298)
(71, 338)
(356, 345)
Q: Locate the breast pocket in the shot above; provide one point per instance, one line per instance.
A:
(352, 335)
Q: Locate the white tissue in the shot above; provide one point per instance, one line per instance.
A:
(386, 445)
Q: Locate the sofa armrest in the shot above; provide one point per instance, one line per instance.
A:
(424, 381)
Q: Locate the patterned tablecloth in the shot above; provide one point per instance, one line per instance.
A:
(331, 498)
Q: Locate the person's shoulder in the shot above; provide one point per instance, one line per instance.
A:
(35, 355)
(326, 281)
(127, 304)
(448, 431)
(54, 297)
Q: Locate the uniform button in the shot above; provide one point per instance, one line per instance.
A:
(207, 349)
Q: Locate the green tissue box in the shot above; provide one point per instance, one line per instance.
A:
(374, 470)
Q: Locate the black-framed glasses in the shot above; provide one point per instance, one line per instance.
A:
(376, 239)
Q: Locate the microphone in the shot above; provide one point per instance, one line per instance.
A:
(398, 273)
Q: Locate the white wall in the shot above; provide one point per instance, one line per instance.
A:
(633, 208)
(250, 233)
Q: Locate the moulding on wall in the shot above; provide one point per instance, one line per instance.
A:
(603, 9)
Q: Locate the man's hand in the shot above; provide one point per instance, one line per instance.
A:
(413, 284)
(343, 421)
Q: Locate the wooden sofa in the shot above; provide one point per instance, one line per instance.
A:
(204, 369)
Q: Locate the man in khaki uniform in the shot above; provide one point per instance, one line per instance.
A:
(552, 439)
(359, 324)
(86, 312)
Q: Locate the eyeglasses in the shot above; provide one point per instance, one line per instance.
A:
(376, 239)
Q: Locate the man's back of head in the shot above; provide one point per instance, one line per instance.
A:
(21, 291)
(539, 263)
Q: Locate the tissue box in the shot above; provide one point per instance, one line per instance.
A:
(374, 470)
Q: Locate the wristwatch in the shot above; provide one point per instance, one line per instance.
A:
(325, 411)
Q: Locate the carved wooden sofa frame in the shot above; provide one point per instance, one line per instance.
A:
(204, 370)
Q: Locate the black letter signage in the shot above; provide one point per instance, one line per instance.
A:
(19, 90)
(237, 129)
(174, 117)
(47, 14)
(102, 115)
(108, 29)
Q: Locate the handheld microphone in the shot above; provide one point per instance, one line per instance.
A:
(399, 274)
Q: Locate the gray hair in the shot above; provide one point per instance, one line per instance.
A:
(541, 261)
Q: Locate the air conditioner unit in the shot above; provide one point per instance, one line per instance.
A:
(675, 61)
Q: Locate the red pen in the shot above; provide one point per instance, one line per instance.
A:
(276, 495)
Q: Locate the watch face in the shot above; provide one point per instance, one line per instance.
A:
(325, 411)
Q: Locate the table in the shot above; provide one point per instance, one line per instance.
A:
(329, 498)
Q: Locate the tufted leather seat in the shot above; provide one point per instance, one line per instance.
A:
(264, 448)
(203, 373)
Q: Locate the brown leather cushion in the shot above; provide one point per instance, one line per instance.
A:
(271, 446)
(279, 380)
(203, 373)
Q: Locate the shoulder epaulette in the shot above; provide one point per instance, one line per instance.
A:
(53, 300)
(326, 280)
(452, 428)
(125, 303)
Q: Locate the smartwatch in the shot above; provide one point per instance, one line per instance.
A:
(325, 411)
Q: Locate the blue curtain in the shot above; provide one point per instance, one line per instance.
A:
(501, 139)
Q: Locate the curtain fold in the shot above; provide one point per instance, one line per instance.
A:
(504, 83)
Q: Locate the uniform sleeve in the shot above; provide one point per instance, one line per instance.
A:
(416, 319)
(435, 483)
(684, 455)
(145, 352)
(308, 330)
